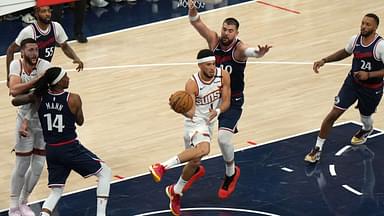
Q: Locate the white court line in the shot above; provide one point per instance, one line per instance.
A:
(209, 157)
(108, 68)
(287, 169)
(332, 169)
(376, 134)
(347, 187)
(161, 22)
(341, 151)
(211, 209)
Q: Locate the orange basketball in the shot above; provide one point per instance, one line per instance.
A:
(181, 101)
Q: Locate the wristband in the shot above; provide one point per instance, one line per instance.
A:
(193, 18)
(218, 111)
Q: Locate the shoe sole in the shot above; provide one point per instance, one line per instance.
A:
(364, 141)
(155, 177)
(311, 161)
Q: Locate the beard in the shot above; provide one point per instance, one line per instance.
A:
(30, 61)
(365, 33)
(225, 41)
(45, 21)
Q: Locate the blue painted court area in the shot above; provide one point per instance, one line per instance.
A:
(274, 180)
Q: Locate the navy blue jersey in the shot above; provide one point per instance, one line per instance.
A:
(225, 59)
(364, 59)
(45, 42)
(57, 120)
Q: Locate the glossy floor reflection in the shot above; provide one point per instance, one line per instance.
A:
(275, 180)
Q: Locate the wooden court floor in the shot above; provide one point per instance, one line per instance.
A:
(130, 74)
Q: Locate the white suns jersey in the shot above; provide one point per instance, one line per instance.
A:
(16, 69)
(209, 94)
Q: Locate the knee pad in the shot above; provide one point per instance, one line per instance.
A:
(226, 147)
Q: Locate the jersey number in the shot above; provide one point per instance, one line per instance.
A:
(366, 65)
(49, 51)
(227, 68)
(56, 123)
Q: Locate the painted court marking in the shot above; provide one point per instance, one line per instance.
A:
(349, 188)
(287, 169)
(209, 157)
(332, 170)
(278, 7)
(212, 209)
(108, 68)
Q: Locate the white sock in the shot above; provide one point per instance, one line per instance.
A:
(367, 122)
(17, 179)
(230, 169)
(171, 162)
(178, 188)
(103, 187)
(44, 214)
(320, 143)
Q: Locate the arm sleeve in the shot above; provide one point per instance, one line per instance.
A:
(15, 68)
(60, 34)
(351, 44)
(27, 32)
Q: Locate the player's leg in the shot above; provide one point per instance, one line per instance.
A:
(36, 166)
(23, 149)
(175, 191)
(103, 186)
(58, 173)
(194, 132)
(368, 100)
(345, 98)
(227, 127)
(88, 164)
(53, 198)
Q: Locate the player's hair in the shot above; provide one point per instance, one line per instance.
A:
(232, 21)
(44, 83)
(204, 53)
(36, 9)
(27, 41)
(374, 16)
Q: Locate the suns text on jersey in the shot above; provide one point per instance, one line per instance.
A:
(208, 98)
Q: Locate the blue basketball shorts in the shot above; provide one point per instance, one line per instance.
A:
(228, 119)
(74, 156)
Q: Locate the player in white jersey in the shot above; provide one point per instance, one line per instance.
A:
(47, 34)
(29, 148)
(210, 90)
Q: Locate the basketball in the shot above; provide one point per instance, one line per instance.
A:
(181, 101)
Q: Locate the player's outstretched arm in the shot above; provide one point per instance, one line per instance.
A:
(10, 55)
(210, 36)
(68, 51)
(337, 56)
